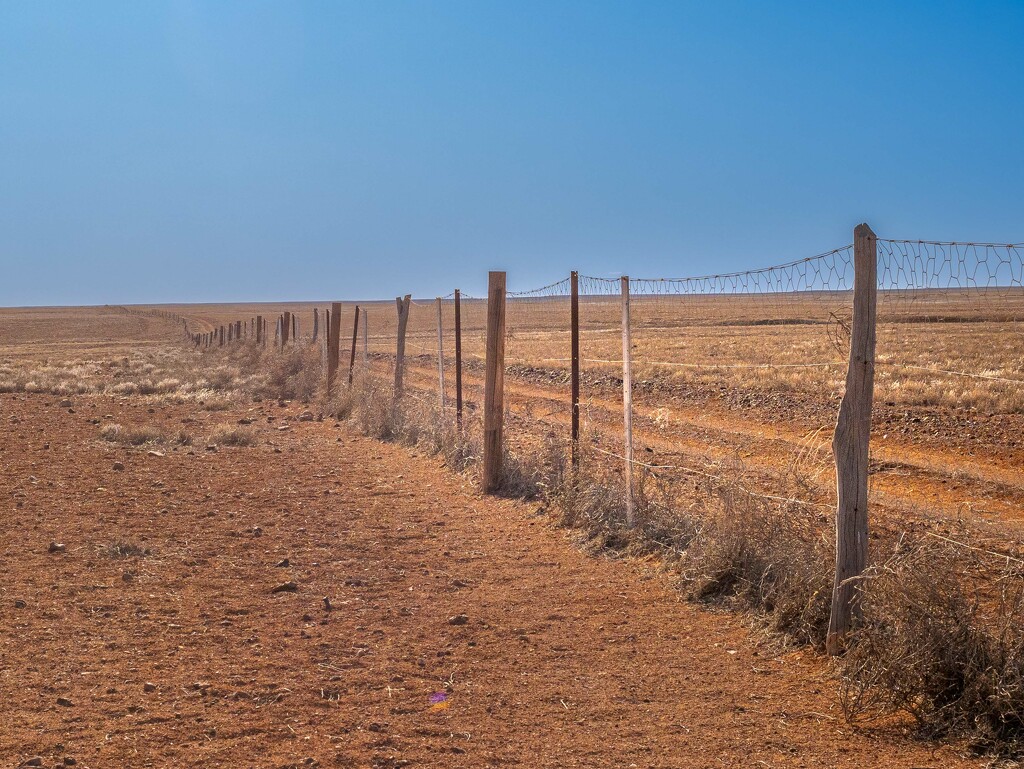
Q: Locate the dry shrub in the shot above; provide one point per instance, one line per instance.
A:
(120, 550)
(233, 435)
(768, 554)
(942, 640)
(296, 373)
(139, 436)
(728, 543)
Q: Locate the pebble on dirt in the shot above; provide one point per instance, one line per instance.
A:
(19, 604)
(286, 587)
(64, 702)
(148, 687)
(57, 547)
(283, 564)
(458, 619)
(119, 466)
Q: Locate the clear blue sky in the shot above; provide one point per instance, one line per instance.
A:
(218, 151)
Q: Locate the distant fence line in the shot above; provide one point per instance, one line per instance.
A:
(851, 289)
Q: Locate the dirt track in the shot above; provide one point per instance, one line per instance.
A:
(563, 660)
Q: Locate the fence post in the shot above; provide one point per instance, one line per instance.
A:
(238, 330)
(440, 355)
(295, 328)
(286, 326)
(366, 339)
(458, 358)
(627, 399)
(574, 359)
(850, 444)
(494, 381)
(352, 352)
(402, 304)
(333, 343)
(316, 324)
(259, 329)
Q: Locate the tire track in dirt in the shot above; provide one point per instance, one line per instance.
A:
(904, 479)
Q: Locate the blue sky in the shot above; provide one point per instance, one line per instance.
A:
(222, 151)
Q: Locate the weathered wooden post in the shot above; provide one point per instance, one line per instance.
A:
(259, 329)
(295, 328)
(333, 344)
(352, 352)
(316, 324)
(286, 327)
(402, 303)
(440, 356)
(238, 330)
(366, 339)
(850, 444)
(494, 382)
(458, 358)
(574, 366)
(627, 399)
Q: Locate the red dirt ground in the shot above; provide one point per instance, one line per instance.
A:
(184, 657)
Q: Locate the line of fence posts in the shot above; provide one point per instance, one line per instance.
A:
(850, 444)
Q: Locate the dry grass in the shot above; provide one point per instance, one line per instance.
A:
(943, 641)
(233, 435)
(142, 435)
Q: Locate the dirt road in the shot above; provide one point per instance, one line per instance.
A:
(463, 630)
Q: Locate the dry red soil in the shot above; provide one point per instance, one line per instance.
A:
(463, 631)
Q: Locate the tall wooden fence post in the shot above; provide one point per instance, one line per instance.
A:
(850, 444)
(259, 329)
(366, 338)
(333, 343)
(627, 400)
(402, 303)
(574, 362)
(440, 355)
(286, 326)
(295, 328)
(316, 324)
(458, 358)
(494, 382)
(352, 352)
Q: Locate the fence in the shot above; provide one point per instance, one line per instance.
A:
(689, 374)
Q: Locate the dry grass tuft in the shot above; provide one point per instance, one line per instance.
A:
(142, 435)
(121, 550)
(233, 435)
(942, 640)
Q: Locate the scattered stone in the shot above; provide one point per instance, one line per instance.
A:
(148, 687)
(257, 531)
(19, 604)
(246, 421)
(64, 702)
(211, 446)
(283, 564)
(66, 403)
(458, 619)
(34, 761)
(118, 466)
(69, 761)
(155, 453)
(306, 416)
(57, 547)
(286, 587)
(327, 604)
